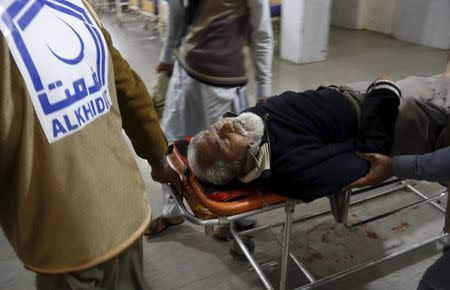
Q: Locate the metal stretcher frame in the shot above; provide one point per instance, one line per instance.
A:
(339, 207)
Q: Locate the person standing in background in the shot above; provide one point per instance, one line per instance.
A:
(204, 54)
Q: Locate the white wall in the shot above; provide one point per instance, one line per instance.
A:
(292, 14)
(410, 21)
(426, 22)
(437, 25)
(346, 13)
(317, 27)
(304, 30)
(376, 15)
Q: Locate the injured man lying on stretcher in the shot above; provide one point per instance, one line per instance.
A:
(303, 144)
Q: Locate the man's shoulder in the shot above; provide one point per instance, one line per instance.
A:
(303, 97)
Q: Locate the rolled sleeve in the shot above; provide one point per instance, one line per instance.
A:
(139, 118)
(262, 45)
(264, 90)
(174, 28)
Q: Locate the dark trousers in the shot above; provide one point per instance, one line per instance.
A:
(377, 115)
(437, 276)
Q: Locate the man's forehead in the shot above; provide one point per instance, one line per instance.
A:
(208, 148)
(212, 141)
(208, 138)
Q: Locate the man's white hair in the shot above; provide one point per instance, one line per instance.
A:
(220, 172)
(251, 126)
(217, 172)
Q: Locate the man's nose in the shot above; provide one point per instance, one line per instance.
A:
(226, 128)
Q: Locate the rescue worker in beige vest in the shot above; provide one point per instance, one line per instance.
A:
(72, 201)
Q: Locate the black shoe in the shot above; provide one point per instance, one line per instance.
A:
(223, 233)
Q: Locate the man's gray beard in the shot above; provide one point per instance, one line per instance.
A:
(251, 126)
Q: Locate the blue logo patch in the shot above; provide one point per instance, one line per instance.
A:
(61, 54)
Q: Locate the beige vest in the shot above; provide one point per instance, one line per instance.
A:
(72, 204)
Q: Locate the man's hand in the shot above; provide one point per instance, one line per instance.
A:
(165, 67)
(165, 174)
(380, 170)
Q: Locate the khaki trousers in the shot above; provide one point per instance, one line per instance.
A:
(421, 127)
(124, 272)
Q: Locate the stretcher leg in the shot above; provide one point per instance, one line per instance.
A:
(250, 258)
(289, 209)
(339, 204)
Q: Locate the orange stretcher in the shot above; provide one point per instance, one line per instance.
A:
(211, 205)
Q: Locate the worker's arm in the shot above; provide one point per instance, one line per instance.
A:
(175, 24)
(261, 38)
(434, 166)
(139, 119)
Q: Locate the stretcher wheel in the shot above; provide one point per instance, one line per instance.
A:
(236, 251)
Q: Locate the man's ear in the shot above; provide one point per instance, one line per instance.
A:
(246, 162)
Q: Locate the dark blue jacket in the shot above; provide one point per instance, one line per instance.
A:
(314, 136)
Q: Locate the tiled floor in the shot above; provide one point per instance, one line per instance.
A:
(183, 258)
